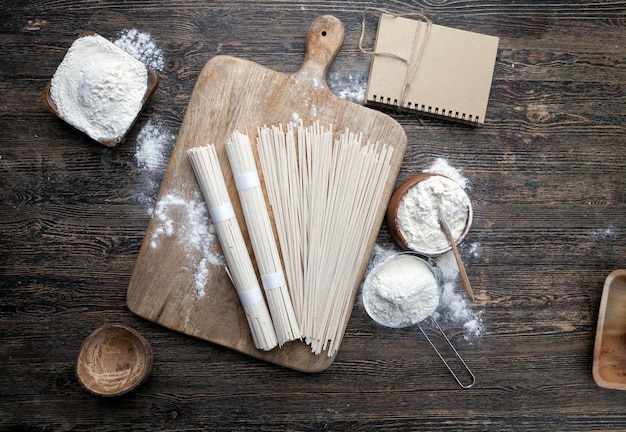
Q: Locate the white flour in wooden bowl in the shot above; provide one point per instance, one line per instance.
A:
(99, 88)
(418, 213)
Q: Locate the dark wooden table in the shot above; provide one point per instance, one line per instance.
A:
(547, 184)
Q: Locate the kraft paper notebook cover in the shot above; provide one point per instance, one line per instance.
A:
(431, 69)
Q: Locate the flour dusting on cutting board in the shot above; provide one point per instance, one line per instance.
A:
(194, 231)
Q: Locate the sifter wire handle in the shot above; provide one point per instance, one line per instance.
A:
(458, 356)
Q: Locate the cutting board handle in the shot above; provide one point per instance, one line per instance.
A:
(323, 41)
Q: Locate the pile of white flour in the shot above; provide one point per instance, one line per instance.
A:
(401, 291)
(98, 88)
(418, 213)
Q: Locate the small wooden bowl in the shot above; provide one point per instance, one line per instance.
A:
(392, 216)
(609, 352)
(114, 360)
(153, 82)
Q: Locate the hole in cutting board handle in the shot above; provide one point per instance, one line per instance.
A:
(323, 40)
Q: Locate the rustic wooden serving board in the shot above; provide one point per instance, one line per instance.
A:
(233, 94)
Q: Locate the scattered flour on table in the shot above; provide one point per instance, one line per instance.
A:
(192, 229)
(454, 307)
(605, 234)
(475, 251)
(154, 142)
(349, 87)
(442, 166)
(152, 149)
(141, 46)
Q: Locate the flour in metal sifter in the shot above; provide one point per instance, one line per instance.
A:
(401, 291)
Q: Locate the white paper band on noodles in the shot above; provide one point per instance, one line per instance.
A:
(222, 213)
(247, 180)
(251, 296)
(273, 280)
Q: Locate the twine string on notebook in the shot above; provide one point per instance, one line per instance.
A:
(416, 52)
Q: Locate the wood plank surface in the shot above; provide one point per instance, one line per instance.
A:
(547, 185)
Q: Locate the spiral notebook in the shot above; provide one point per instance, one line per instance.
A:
(431, 69)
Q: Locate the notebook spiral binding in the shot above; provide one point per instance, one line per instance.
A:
(435, 112)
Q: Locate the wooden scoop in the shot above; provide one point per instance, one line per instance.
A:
(446, 230)
(233, 94)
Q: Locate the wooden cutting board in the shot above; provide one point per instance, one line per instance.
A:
(234, 94)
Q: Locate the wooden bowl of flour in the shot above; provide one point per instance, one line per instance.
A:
(104, 107)
(405, 227)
